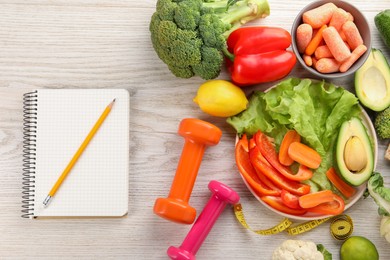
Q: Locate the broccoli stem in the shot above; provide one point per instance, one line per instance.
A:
(240, 12)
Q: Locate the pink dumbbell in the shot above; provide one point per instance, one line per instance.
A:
(222, 195)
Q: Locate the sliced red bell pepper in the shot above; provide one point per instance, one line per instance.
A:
(248, 172)
(267, 149)
(290, 200)
(334, 207)
(261, 176)
(258, 54)
(257, 160)
(276, 203)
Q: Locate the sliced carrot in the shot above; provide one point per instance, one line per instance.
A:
(345, 189)
(315, 41)
(268, 152)
(290, 137)
(316, 198)
(305, 155)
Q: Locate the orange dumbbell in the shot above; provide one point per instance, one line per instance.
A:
(197, 134)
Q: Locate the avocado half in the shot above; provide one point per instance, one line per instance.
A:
(354, 153)
(372, 82)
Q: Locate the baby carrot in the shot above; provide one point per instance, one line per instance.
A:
(290, 137)
(308, 60)
(352, 34)
(305, 155)
(335, 44)
(339, 17)
(327, 65)
(350, 17)
(304, 35)
(345, 189)
(356, 54)
(312, 46)
(323, 52)
(316, 198)
(319, 16)
(314, 61)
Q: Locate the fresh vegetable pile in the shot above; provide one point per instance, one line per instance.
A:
(286, 149)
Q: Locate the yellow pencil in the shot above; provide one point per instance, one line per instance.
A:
(76, 156)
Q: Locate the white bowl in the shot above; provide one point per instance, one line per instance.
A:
(351, 201)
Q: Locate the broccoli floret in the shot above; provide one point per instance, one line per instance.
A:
(190, 35)
(382, 123)
(210, 65)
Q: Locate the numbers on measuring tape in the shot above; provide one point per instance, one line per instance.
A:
(341, 225)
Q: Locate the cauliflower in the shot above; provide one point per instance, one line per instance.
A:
(297, 250)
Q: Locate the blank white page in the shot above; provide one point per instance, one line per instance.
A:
(97, 185)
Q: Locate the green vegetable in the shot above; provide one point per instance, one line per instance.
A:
(315, 109)
(327, 255)
(385, 228)
(372, 81)
(379, 193)
(190, 35)
(382, 23)
(382, 123)
(354, 153)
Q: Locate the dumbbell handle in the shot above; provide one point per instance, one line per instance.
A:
(185, 176)
(221, 196)
(203, 225)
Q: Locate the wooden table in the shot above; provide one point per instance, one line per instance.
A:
(106, 44)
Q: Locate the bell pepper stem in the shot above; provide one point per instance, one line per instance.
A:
(228, 54)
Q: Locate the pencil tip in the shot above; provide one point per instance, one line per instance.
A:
(114, 100)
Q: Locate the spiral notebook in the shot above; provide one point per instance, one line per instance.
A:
(56, 122)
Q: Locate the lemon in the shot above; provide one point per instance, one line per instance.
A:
(358, 248)
(221, 98)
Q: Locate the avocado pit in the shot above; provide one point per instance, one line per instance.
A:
(355, 157)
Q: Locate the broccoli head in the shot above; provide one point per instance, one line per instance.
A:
(382, 123)
(190, 35)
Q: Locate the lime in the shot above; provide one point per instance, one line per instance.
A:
(358, 248)
(221, 98)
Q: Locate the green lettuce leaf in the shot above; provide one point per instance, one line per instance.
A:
(327, 255)
(315, 109)
(379, 193)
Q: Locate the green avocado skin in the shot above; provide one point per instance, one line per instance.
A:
(382, 23)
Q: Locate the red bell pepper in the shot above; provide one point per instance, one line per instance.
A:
(334, 207)
(267, 149)
(273, 175)
(276, 203)
(248, 172)
(290, 200)
(258, 54)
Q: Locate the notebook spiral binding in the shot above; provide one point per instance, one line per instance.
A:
(29, 152)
